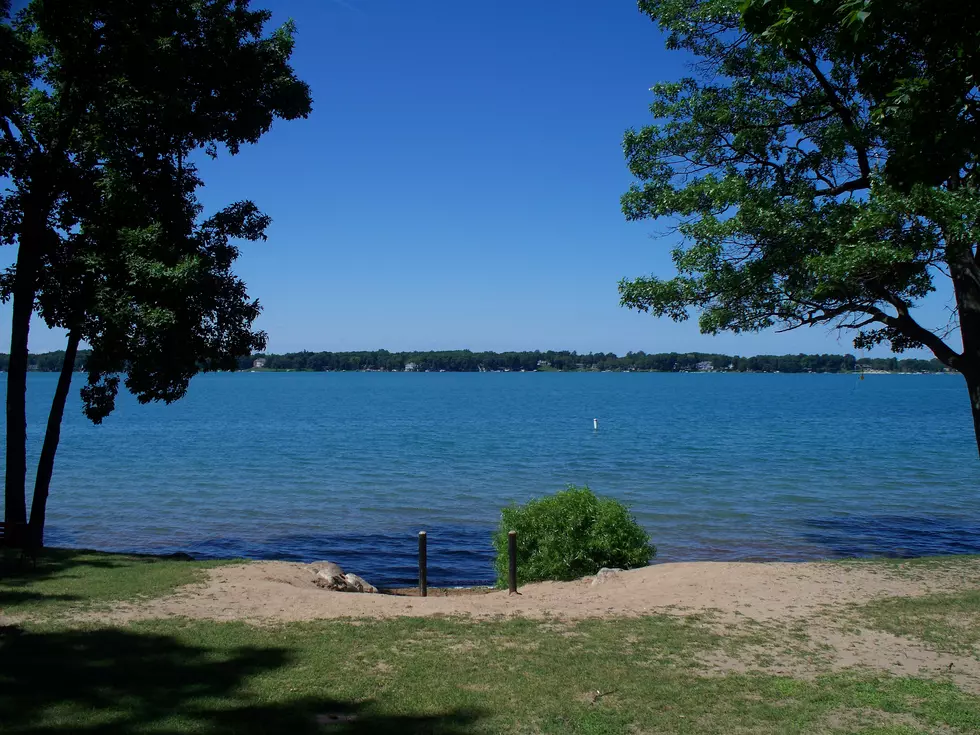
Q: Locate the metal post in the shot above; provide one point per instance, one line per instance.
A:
(512, 558)
(423, 583)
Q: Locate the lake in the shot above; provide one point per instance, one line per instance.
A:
(350, 466)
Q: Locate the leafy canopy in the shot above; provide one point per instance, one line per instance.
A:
(103, 104)
(916, 61)
(569, 535)
(770, 161)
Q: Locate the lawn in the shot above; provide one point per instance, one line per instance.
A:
(946, 622)
(405, 675)
(66, 579)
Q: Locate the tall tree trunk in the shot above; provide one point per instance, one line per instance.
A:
(973, 385)
(964, 271)
(52, 435)
(24, 291)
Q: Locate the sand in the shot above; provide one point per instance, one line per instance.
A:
(283, 591)
(804, 612)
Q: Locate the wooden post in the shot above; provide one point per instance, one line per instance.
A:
(512, 558)
(423, 582)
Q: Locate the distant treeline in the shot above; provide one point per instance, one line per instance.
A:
(464, 361)
(48, 362)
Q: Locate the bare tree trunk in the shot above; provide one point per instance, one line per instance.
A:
(973, 385)
(964, 271)
(25, 285)
(52, 435)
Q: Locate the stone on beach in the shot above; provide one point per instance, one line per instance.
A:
(359, 584)
(604, 575)
(330, 576)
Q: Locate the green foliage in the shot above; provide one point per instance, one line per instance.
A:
(102, 205)
(462, 361)
(915, 61)
(569, 535)
(771, 163)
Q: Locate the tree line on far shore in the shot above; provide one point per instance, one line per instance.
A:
(465, 361)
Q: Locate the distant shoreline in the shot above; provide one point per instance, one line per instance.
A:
(596, 372)
(466, 361)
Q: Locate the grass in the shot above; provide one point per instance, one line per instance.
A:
(917, 568)
(437, 675)
(946, 622)
(67, 579)
(434, 676)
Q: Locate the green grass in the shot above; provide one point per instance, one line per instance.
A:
(960, 563)
(946, 622)
(436, 675)
(66, 579)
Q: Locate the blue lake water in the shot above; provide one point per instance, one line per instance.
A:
(349, 467)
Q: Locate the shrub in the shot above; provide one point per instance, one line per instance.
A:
(568, 535)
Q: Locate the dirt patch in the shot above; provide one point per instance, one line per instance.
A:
(438, 591)
(481, 688)
(826, 646)
(789, 619)
(735, 592)
(850, 720)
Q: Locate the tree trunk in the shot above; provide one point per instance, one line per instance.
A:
(52, 435)
(964, 271)
(973, 385)
(24, 291)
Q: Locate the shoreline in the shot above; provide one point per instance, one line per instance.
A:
(271, 591)
(532, 372)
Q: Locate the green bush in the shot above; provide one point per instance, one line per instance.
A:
(568, 535)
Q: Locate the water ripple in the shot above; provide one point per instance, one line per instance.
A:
(350, 466)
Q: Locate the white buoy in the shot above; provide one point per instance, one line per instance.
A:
(595, 424)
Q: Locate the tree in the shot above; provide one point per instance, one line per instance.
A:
(805, 187)
(916, 62)
(102, 105)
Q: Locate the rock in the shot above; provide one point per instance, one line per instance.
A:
(330, 576)
(179, 556)
(359, 584)
(327, 568)
(330, 581)
(604, 575)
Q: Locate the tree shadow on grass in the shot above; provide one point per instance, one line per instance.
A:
(37, 581)
(11, 598)
(17, 572)
(15, 569)
(121, 681)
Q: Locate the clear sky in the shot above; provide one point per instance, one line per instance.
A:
(458, 184)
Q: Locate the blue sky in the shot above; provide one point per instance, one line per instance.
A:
(458, 184)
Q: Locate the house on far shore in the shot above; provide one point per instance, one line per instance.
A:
(543, 363)
(705, 367)
(411, 367)
(259, 363)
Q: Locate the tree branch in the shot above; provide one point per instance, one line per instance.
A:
(25, 134)
(15, 143)
(905, 323)
(7, 132)
(838, 104)
(855, 185)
